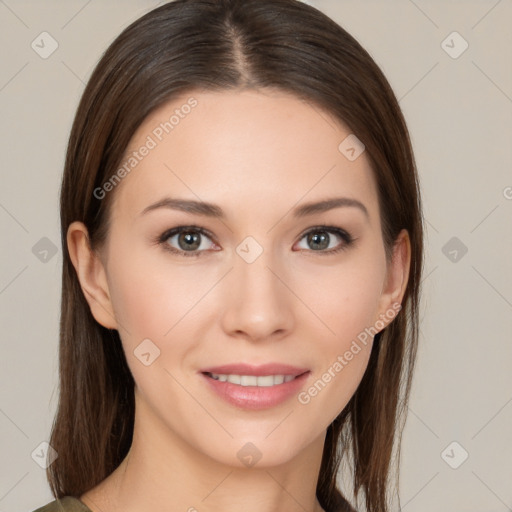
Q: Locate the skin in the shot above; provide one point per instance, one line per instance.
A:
(258, 155)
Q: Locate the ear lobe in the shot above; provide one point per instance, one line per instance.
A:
(397, 277)
(91, 275)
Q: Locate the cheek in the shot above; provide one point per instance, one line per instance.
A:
(150, 296)
(150, 302)
(344, 297)
(157, 300)
(137, 297)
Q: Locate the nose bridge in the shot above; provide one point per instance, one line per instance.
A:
(258, 303)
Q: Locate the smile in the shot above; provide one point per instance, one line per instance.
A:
(251, 380)
(255, 392)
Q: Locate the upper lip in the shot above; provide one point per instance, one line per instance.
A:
(257, 370)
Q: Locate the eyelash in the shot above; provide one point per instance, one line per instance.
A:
(164, 237)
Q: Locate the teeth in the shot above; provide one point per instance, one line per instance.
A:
(252, 380)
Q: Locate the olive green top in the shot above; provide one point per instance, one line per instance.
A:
(71, 504)
(66, 504)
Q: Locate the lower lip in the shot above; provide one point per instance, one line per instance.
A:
(255, 397)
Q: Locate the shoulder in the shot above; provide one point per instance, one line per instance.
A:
(65, 504)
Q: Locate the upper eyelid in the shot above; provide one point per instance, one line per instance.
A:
(179, 229)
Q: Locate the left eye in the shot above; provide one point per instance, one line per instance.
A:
(319, 239)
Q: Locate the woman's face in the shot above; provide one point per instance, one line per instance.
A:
(254, 278)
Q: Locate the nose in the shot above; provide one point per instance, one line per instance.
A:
(259, 305)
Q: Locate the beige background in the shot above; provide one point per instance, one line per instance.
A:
(459, 111)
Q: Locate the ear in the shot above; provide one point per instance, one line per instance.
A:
(91, 275)
(397, 276)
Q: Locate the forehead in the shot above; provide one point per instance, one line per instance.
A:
(244, 150)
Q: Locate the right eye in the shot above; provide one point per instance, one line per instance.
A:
(189, 240)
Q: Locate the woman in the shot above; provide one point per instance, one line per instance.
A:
(242, 234)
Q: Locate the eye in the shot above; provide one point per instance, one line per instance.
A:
(320, 238)
(190, 240)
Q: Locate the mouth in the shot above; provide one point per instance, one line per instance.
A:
(255, 387)
(263, 381)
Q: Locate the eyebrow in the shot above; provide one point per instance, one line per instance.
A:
(215, 211)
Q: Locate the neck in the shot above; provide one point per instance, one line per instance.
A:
(163, 472)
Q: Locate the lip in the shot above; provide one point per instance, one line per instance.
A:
(255, 397)
(256, 370)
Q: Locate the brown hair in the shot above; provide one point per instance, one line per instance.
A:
(222, 45)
